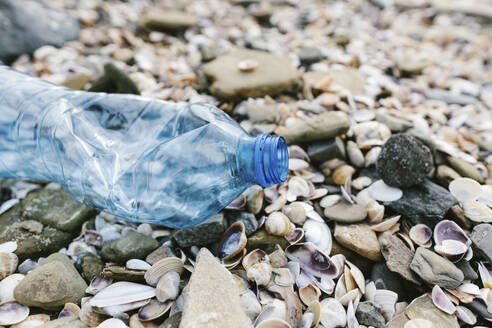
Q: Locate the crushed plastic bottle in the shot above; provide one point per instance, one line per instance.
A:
(142, 160)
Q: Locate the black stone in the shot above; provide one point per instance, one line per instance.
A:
(404, 161)
(249, 220)
(324, 150)
(385, 279)
(205, 233)
(467, 269)
(114, 80)
(310, 55)
(426, 203)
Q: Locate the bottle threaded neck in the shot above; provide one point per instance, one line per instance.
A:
(271, 160)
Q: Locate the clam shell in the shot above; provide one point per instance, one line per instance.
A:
(297, 152)
(7, 287)
(363, 197)
(134, 322)
(295, 236)
(466, 315)
(153, 310)
(372, 156)
(477, 212)
(339, 261)
(295, 212)
(419, 323)
(464, 189)
(469, 288)
(69, 310)
(237, 203)
(232, 262)
(351, 319)
(253, 257)
(117, 310)
(361, 183)
(357, 276)
(168, 287)
(342, 174)
(276, 309)
(350, 296)
(386, 299)
(329, 200)
(486, 196)
(284, 277)
(260, 273)
(122, 292)
(296, 164)
(233, 241)
(332, 313)
(312, 260)
(8, 264)
(421, 235)
(278, 224)
(449, 230)
(441, 301)
(309, 294)
(277, 204)
(382, 192)
(386, 224)
(12, 313)
(250, 304)
(319, 234)
(32, 321)
(161, 267)
(254, 198)
(273, 323)
(355, 154)
(8, 247)
(453, 250)
(136, 264)
(97, 284)
(112, 323)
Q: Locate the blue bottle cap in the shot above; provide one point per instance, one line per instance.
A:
(271, 160)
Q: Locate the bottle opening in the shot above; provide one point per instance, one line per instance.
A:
(271, 160)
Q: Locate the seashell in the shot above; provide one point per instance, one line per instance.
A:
(294, 309)
(340, 289)
(469, 288)
(326, 285)
(145, 229)
(278, 224)
(332, 313)
(382, 192)
(7, 287)
(386, 224)
(254, 198)
(315, 309)
(297, 152)
(247, 65)
(363, 115)
(277, 204)
(464, 189)
(276, 309)
(94, 238)
(307, 320)
(421, 235)
(339, 261)
(441, 301)
(351, 319)
(97, 284)
(8, 205)
(295, 212)
(27, 266)
(319, 234)
(69, 310)
(136, 264)
(466, 315)
(453, 250)
(296, 164)
(318, 193)
(457, 296)
(117, 310)
(419, 323)
(250, 304)
(329, 200)
(233, 241)
(361, 182)
(342, 174)
(8, 247)
(449, 230)
(375, 211)
(298, 187)
(167, 287)
(312, 260)
(112, 323)
(232, 262)
(8, 264)
(408, 241)
(400, 307)
(237, 203)
(318, 177)
(295, 236)
(153, 310)
(122, 292)
(12, 312)
(309, 294)
(357, 276)
(350, 296)
(35, 320)
(273, 323)
(486, 196)
(283, 277)
(386, 299)
(485, 275)
(260, 273)
(370, 291)
(134, 322)
(355, 154)
(349, 281)
(372, 156)
(254, 257)
(477, 212)
(161, 267)
(363, 197)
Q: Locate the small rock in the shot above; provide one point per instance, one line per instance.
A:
(450, 98)
(132, 245)
(368, 314)
(479, 307)
(262, 113)
(207, 232)
(466, 268)
(264, 240)
(90, 266)
(360, 239)
(211, 298)
(114, 80)
(310, 55)
(121, 273)
(344, 212)
(274, 74)
(166, 20)
(385, 279)
(53, 283)
(322, 151)
(435, 269)
(249, 220)
(445, 175)
(173, 321)
(424, 308)
(433, 203)
(77, 81)
(348, 78)
(393, 123)
(162, 252)
(482, 9)
(481, 237)
(409, 66)
(404, 161)
(364, 264)
(466, 169)
(397, 255)
(69, 322)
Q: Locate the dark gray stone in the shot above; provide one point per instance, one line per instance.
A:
(30, 24)
(368, 314)
(425, 203)
(114, 80)
(249, 220)
(325, 150)
(310, 55)
(172, 322)
(481, 237)
(90, 265)
(397, 255)
(404, 161)
(385, 279)
(466, 268)
(480, 307)
(207, 232)
(132, 245)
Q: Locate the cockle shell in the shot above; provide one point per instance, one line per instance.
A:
(332, 313)
(296, 164)
(233, 241)
(12, 313)
(260, 273)
(464, 189)
(477, 212)
(250, 304)
(421, 235)
(449, 230)
(7, 287)
(319, 234)
(283, 277)
(295, 212)
(382, 192)
(278, 224)
(168, 287)
(294, 309)
(122, 292)
(299, 187)
(161, 267)
(8, 264)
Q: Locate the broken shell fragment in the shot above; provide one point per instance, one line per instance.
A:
(332, 313)
(161, 267)
(278, 224)
(153, 310)
(247, 65)
(12, 313)
(283, 277)
(375, 211)
(309, 294)
(8, 264)
(441, 301)
(477, 212)
(168, 287)
(421, 235)
(319, 234)
(464, 189)
(122, 292)
(386, 224)
(382, 192)
(295, 236)
(97, 284)
(233, 241)
(312, 260)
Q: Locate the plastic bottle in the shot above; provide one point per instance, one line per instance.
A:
(143, 160)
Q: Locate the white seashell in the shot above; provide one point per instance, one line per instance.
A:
(325, 284)
(260, 273)
(332, 313)
(466, 315)
(8, 264)
(122, 292)
(339, 261)
(309, 294)
(351, 319)
(7, 287)
(250, 304)
(153, 310)
(441, 301)
(12, 313)
(8, 247)
(273, 323)
(477, 211)
(295, 212)
(253, 257)
(357, 276)
(233, 242)
(485, 275)
(329, 200)
(464, 189)
(319, 234)
(421, 235)
(284, 277)
(370, 291)
(27, 266)
(386, 299)
(136, 264)
(277, 309)
(363, 197)
(340, 289)
(161, 267)
(486, 196)
(453, 250)
(375, 211)
(8, 204)
(419, 323)
(87, 314)
(372, 156)
(361, 182)
(277, 204)
(355, 154)
(297, 187)
(32, 321)
(318, 193)
(115, 310)
(168, 287)
(112, 323)
(382, 192)
(247, 65)
(278, 224)
(469, 288)
(350, 296)
(97, 284)
(296, 164)
(386, 224)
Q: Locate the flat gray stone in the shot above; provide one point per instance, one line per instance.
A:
(435, 269)
(481, 237)
(397, 255)
(368, 314)
(344, 212)
(205, 233)
(322, 151)
(132, 245)
(395, 124)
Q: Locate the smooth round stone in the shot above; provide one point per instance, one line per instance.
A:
(344, 212)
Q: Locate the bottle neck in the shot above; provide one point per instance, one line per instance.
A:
(270, 160)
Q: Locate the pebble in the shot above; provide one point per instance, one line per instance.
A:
(264, 240)
(205, 233)
(445, 175)
(77, 81)
(249, 220)
(384, 278)
(393, 123)
(52, 284)
(360, 239)
(467, 269)
(348, 78)
(344, 212)
(274, 74)
(211, 298)
(131, 245)
(114, 80)
(435, 269)
(397, 255)
(91, 266)
(166, 20)
(404, 161)
(368, 314)
(465, 169)
(450, 98)
(310, 55)
(319, 127)
(481, 237)
(68, 322)
(322, 151)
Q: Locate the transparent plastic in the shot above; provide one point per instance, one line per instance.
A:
(143, 160)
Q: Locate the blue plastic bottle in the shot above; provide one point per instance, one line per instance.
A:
(143, 160)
